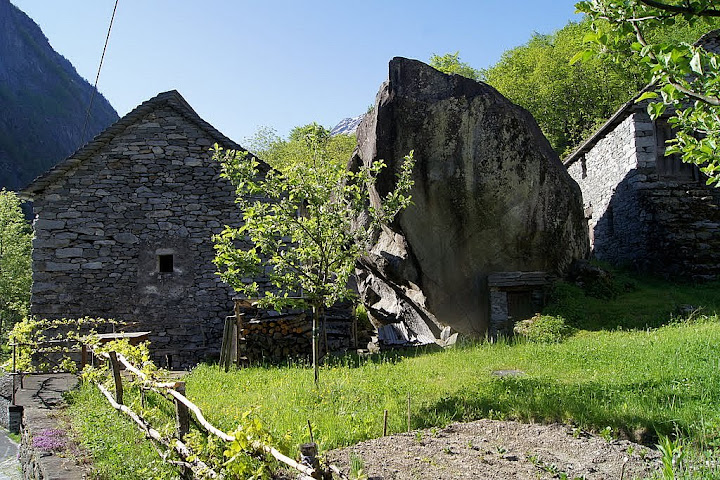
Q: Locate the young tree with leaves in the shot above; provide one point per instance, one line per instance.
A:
(303, 226)
(684, 78)
(15, 261)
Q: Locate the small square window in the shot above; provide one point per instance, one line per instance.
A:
(165, 263)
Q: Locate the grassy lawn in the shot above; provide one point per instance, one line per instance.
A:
(637, 383)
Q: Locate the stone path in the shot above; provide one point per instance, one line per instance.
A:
(9, 465)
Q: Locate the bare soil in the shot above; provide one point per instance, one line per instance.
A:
(489, 449)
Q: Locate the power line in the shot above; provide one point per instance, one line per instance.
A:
(97, 77)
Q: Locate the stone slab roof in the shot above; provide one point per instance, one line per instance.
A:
(171, 98)
(710, 42)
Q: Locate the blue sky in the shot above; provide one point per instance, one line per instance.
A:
(243, 64)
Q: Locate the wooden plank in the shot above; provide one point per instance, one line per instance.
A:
(514, 279)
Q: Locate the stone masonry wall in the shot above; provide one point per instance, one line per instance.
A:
(638, 218)
(152, 190)
(606, 176)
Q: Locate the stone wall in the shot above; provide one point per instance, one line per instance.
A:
(151, 191)
(638, 215)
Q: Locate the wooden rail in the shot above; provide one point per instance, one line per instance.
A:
(183, 404)
(183, 450)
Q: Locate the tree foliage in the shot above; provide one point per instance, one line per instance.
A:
(283, 154)
(568, 101)
(15, 260)
(684, 78)
(303, 225)
(450, 63)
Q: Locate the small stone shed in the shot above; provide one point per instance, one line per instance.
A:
(646, 210)
(123, 230)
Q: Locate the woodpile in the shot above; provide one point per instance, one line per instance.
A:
(276, 337)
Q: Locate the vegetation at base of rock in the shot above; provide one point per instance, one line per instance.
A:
(685, 78)
(15, 260)
(543, 329)
(647, 303)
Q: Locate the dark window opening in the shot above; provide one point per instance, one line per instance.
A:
(165, 263)
(671, 166)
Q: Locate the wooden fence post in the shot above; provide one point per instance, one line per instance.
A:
(118, 379)
(308, 457)
(408, 412)
(182, 413)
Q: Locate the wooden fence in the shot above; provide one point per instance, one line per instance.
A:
(175, 391)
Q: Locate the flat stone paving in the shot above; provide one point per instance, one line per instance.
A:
(9, 465)
(41, 397)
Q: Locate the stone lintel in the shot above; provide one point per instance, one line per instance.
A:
(519, 279)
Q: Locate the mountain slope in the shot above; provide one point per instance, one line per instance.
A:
(43, 102)
(347, 126)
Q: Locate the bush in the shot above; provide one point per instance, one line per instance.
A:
(568, 301)
(543, 329)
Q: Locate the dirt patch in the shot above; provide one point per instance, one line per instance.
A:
(499, 450)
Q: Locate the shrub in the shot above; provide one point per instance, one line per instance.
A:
(567, 300)
(49, 345)
(543, 329)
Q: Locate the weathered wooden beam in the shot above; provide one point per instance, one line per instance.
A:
(182, 414)
(198, 466)
(115, 366)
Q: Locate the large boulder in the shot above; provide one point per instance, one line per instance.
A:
(490, 196)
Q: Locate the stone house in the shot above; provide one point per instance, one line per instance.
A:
(123, 230)
(646, 210)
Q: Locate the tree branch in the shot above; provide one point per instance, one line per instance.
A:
(707, 12)
(710, 100)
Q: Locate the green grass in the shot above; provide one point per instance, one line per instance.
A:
(119, 450)
(649, 302)
(627, 374)
(637, 383)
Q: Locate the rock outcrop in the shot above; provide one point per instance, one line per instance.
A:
(490, 196)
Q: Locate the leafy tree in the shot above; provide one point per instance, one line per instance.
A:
(684, 78)
(303, 226)
(284, 154)
(450, 63)
(568, 101)
(15, 260)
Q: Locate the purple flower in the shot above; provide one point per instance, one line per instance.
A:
(49, 440)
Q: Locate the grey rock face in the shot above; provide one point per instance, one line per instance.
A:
(490, 195)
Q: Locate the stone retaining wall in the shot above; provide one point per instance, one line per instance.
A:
(44, 449)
